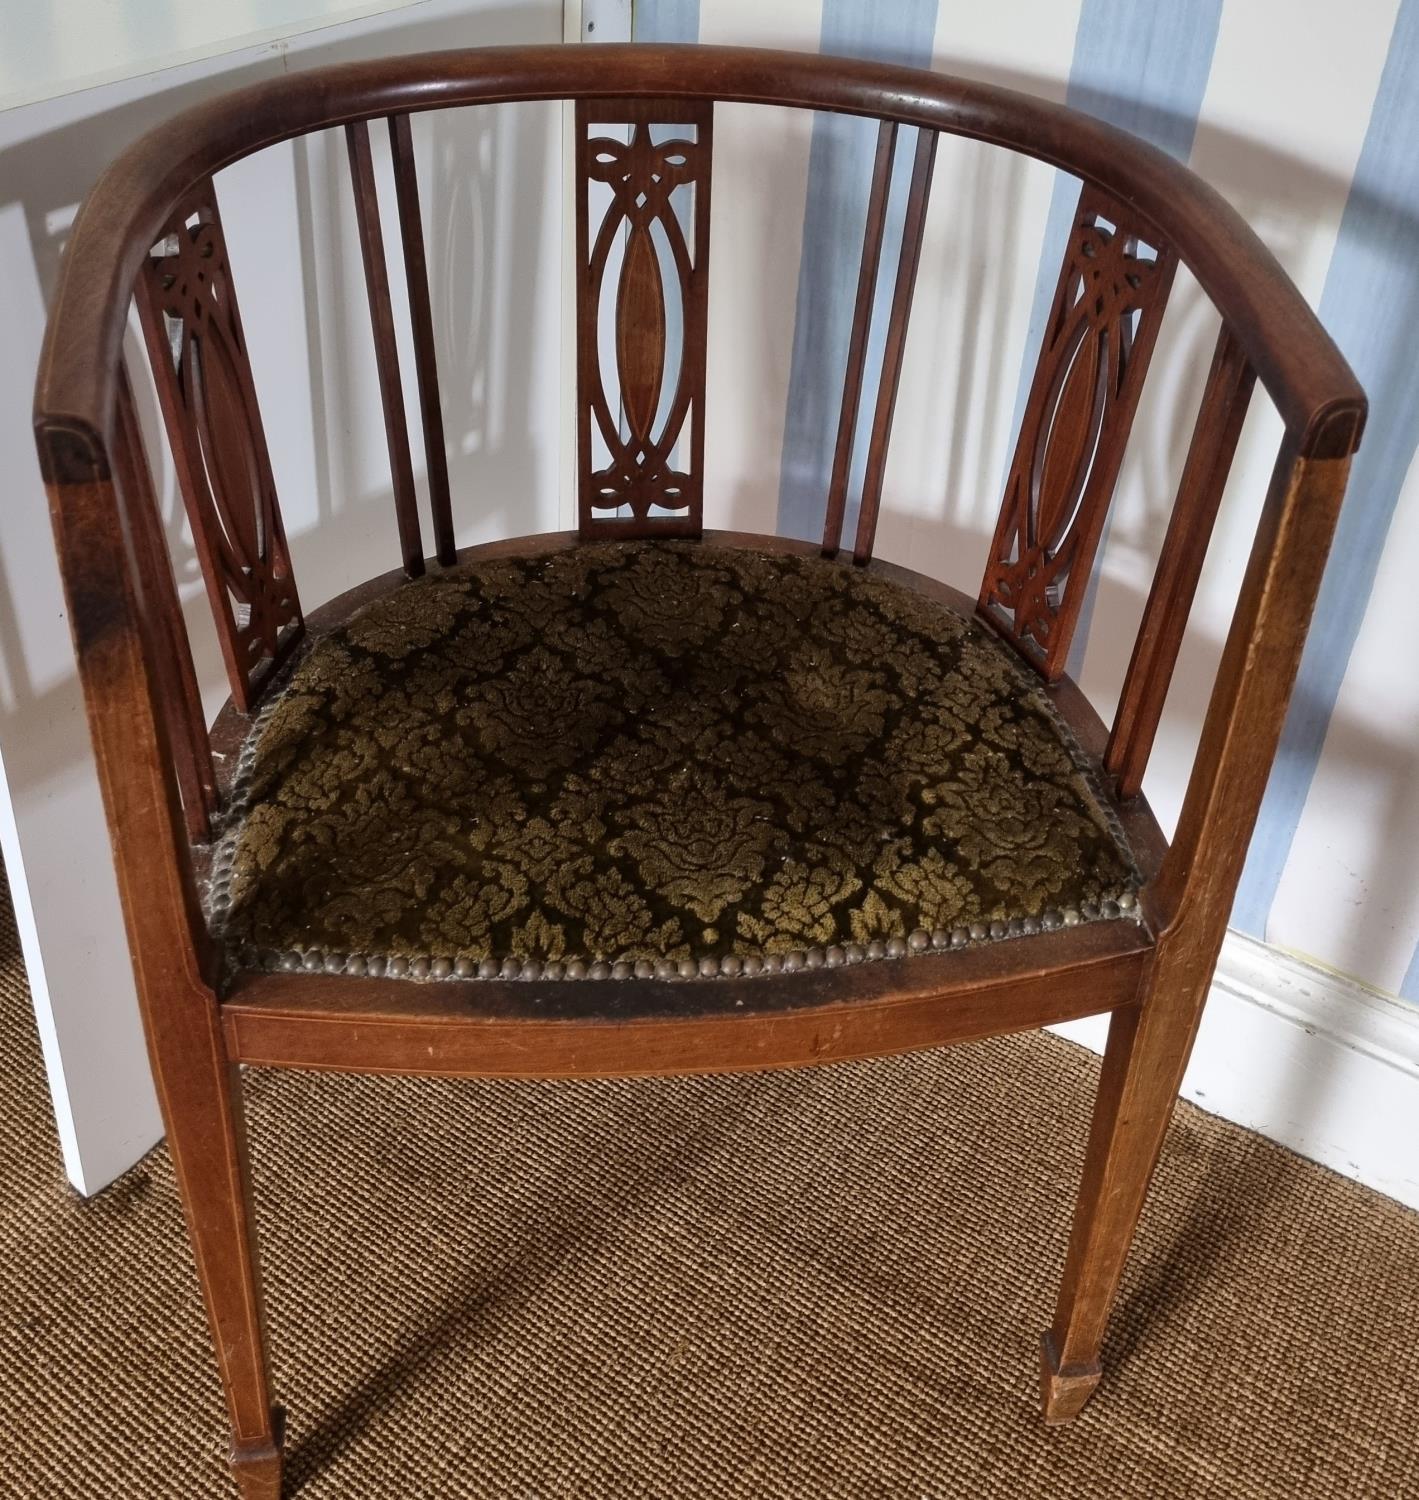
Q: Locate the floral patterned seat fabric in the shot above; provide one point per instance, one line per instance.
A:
(663, 756)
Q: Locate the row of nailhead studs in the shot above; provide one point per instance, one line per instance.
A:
(729, 967)
(238, 804)
(219, 897)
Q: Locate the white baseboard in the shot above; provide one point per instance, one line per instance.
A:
(1311, 1058)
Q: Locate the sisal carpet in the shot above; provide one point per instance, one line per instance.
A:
(816, 1284)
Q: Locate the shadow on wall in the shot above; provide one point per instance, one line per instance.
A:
(484, 233)
(483, 238)
(939, 517)
(479, 225)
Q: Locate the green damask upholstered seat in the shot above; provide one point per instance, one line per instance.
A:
(657, 757)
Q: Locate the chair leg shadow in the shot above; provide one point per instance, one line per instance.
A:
(1185, 1270)
(575, 1224)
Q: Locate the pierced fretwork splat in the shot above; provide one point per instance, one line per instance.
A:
(188, 309)
(1101, 330)
(641, 431)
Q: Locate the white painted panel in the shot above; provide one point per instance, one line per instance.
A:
(51, 817)
(493, 224)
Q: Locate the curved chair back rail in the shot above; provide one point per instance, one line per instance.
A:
(1313, 388)
(151, 228)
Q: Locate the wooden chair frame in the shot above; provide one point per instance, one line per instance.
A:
(150, 228)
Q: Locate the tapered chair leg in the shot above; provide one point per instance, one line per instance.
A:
(257, 1468)
(1147, 1053)
(206, 1136)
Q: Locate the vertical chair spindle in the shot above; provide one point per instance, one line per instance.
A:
(416, 273)
(913, 230)
(391, 390)
(908, 259)
(1155, 651)
(861, 323)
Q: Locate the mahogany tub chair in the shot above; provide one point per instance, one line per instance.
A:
(640, 799)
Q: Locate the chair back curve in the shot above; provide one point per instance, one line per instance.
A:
(151, 232)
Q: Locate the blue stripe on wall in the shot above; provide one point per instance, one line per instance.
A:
(839, 179)
(1410, 988)
(1143, 68)
(665, 20)
(1370, 304)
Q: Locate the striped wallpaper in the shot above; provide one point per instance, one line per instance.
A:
(1310, 127)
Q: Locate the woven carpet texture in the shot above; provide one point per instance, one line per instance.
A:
(813, 1284)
